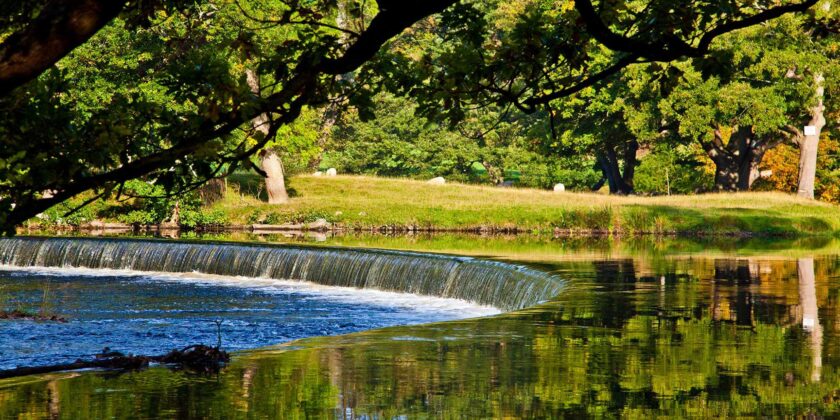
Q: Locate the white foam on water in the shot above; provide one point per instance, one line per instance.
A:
(446, 307)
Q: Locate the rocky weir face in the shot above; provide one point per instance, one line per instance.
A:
(151, 296)
(498, 284)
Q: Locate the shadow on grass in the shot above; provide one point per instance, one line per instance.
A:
(725, 221)
(249, 183)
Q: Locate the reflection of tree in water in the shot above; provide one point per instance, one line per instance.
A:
(810, 313)
(736, 274)
(748, 292)
(680, 338)
(615, 279)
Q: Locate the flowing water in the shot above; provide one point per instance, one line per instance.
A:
(151, 314)
(149, 297)
(484, 282)
(634, 331)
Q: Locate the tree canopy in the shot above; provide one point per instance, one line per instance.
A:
(95, 93)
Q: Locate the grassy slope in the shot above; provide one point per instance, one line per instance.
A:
(368, 201)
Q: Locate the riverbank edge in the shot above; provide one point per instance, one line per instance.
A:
(334, 228)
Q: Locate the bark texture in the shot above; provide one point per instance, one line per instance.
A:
(620, 181)
(270, 163)
(212, 191)
(61, 26)
(275, 182)
(809, 144)
(737, 160)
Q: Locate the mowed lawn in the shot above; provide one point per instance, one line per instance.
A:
(367, 202)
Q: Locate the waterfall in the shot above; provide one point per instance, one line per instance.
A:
(503, 285)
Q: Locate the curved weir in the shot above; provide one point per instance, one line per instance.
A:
(505, 286)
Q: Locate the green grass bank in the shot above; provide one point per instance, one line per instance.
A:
(361, 202)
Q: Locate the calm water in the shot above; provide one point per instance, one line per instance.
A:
(635, 335)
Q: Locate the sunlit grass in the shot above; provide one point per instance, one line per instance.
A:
(360, 201)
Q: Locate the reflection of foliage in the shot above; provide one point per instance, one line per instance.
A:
(656, 337)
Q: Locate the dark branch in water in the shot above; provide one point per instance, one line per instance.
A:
(198, 357)
(21, 315)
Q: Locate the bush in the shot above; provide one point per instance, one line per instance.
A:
(192, 218)
(57, 215)
(140, 217)
(665, 170)
(152, 206)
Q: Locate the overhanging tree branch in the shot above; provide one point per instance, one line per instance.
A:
(61, 26)
(287, 103)
(669, 48)
(757, 19)
(393, 18)
(585, 83)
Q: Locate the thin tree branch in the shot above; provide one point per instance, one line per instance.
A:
(670, 47)
(585, 83)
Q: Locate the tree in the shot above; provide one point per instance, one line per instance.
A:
(270, 163)
(31, 47)
(749, 97)
(181, 114)
(809, 142)
(547, 49)
(183, 121)
(481, 148)
(612, 123)
(821, 43)
(517, 53)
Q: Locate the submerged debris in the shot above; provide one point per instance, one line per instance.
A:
(197, 357)
(22, 315)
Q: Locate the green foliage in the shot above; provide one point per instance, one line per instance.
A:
(197, 217)
(670, 170)
(151, 205)
(398, 143)
(71, 213)
(486, 82)
(486, 147)
(159, 89)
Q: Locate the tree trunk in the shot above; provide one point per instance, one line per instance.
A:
(726, 174)
(495, 174)
(175, 217)
(212, 191)
(809, 145)
(609, 169)
(275, 180)
(630, 150)
(619, 182)
(736, 163)
(737, 173)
